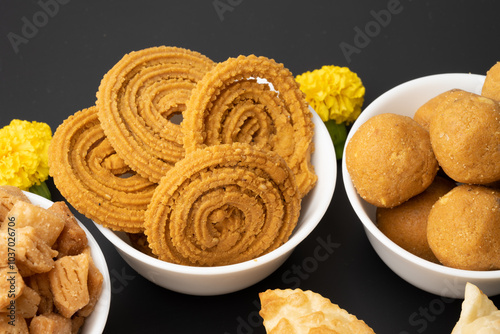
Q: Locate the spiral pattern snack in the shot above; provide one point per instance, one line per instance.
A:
(90, 175)
(137, 99)
(231, 105)
(222, 205)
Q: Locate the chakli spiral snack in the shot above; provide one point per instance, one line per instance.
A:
(90, 175)
(137, 99)
(229, 105)
(221, 205)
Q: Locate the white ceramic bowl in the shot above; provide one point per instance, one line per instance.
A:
(96, 322)
(226, 279)
(434, 278)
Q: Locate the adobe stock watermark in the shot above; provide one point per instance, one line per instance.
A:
(371, 29)
(294, 276)
(223, 6)
(30, 26)
(425, 315)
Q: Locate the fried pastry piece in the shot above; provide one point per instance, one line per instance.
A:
(50, 323)
(27, 303)
(41, 284)
(95, 280)
(47, 225)
(8, 196)
(479, 315)
(72, 240)
(229, 105)
(222, 205)
(93, 179)
(69, 284)
(137, 99)
(16, 325)
(76, 323)
(11, 284)
(491, 86)
(33, 255)
(303, 312)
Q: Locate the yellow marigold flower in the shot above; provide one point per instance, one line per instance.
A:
(24, 153)
(334, 92)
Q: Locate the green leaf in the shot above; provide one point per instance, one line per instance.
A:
(41, 189)
(338, 133)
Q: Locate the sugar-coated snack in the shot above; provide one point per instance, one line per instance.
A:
(406, 224)
(390, 160)
(27, 303)
(72, 240)
(69, 284)
(465, 137)
(94, 284)
(33, 254)
(491, 86)
(13, 326)
(425, 112)
(41, 284)
(302, 312)
(47, 225)
(463, 228)
(11, 285)
(8, 196)
(478, 315)
(50, 323)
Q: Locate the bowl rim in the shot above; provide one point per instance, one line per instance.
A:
(298, 235)
(356, 200)
(101, 317)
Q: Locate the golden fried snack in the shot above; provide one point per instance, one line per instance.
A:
(41, 284)
(479, 315)
(229, 105)
(425, 112)
(17, 325)
(463, 228)
(33, 254)
(491, 86)
(69, 284)
(50, 323)
(305, 312)
(138, 97)
(27, 303)
(8, 196)
(47, 225)
(72, 240)
(95, 281)
(390, 160)
(11, 284)
(465, 136)
(91, 177)
(221, 205)
(406, 224)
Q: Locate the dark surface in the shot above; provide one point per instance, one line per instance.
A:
(58, 67)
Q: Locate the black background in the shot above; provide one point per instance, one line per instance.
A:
(49, 72)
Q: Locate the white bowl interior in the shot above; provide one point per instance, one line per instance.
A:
(226, 279)
(96, 322)
(405, 99)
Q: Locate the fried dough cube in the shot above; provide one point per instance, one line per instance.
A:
(41, 284)
(33, 255)
(11, 284)
(48, 226)
(50, 323)
(14, 325)
(72, 240)
(27, 303)
(76, 323)
(95, 280)
(69, 284)
(9, 195)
